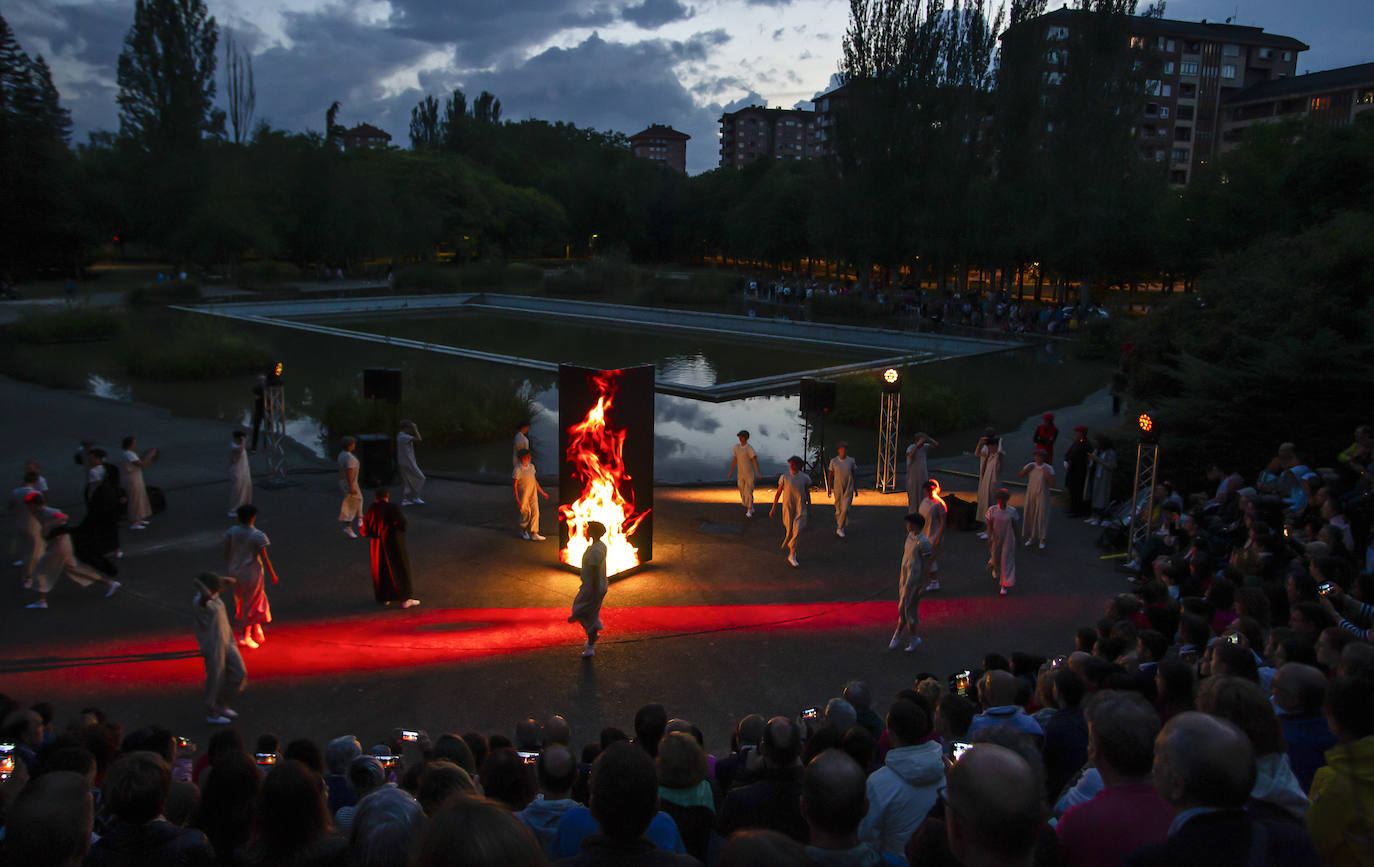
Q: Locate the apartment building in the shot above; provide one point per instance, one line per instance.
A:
(661, 144)
(756, 132)
(1333, 96)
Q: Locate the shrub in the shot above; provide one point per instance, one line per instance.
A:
(571, 281)
(1100, 338)
(199, 350)
(450, 409)
(165, 292)
(69, 325)
(264, 275)
(523, 274)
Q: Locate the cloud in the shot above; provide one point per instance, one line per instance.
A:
(652, 14)
(768, 2)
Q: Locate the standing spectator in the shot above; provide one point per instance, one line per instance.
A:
(556, 771)
(1066, 730)
(744, 464)
(138, 509)
(1341, 819)
(1128, 813)
(240, 475)
(860, 697)
(834, 804)
(1205, 768)
(225, 812)
(412, 480)
(745, 740)
(624, 805)
(338, 755)
(352, 508)
(224, 672)
(1299, 692)
(770, 800)
(685, 793)
(1076, 471)
(903, 790)
(994, 811)
(245, 554)
(134, 795)
(293, 825)
(384, 526)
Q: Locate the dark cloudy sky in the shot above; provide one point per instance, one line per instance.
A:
(611, 64)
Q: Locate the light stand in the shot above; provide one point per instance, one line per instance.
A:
(889, 418)
(274, 418)
(1146, 474)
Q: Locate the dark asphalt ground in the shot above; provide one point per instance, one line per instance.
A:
(718, 627)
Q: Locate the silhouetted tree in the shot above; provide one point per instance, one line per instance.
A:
(167, 75)
(239, 88)
(424, 125)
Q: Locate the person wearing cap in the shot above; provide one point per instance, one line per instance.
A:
(1076, 472)
(794, 490)
(1001, 520)
(842, 489)
(224, 671)
(916, 558)
(744, 464)
(917, 470)
(1041, 477)
(1045, 435)
(989, 453)
(936, 513)
(57, 557)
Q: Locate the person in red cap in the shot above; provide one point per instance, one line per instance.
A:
(1076, 472)
(1045, 435)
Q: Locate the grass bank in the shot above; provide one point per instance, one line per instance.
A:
(451, 409)
(69, 325)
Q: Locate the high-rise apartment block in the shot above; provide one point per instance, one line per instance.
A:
(661, 144)
(756, 132)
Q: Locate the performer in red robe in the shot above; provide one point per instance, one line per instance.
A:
(385, 528)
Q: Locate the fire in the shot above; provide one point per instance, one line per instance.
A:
(595, 452)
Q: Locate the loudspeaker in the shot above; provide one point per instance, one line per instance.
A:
(963, 515)
(817, 395)
(377, 465)
(382, 383)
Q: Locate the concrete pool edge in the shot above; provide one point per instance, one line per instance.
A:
(894, 347)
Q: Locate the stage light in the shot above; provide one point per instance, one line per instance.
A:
(1148, 427)
(892, 380)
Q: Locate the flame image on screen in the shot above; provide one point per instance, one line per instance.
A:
(596, 453)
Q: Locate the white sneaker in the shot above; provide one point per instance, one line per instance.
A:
(588, 651)
(17, 563)
(410, 603)
(913, 644)
(537, 538)
(749, 513)
(839, 531)
(417, 501)
(138, 526)
(896, 640)
(932, 586)
(229, 712)
(348, 531)
(1133, 565)
(407, 502)
(218, 720)
(1042, 546)
(1028, 543)
(983, 536)
(110, 591)
(41, 603)
(792, 558)
(1092, 521)
(525, 536)
(119, 554)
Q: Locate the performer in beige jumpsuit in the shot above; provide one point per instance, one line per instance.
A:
(1037, 518)
(586, 607)
(794, 489)
(58, 558)
(224, 671)
(1001, 520)
(842, 488)
(527, 494)
(744, 463)
(352, 508)
(916, 554)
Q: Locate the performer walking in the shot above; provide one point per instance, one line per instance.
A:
(1001, 520)
(936, 515)
(586, 607)
(744, 463)
(26, 546)
(842, 488)
(917, 472)
(989, 453)
(57, 557)
(224, 671)
(384, 526)
(794, 489)
(245, 552)
(412, 480)
(916, 557)
(352, 508)
(527, 494)
(1037, 519)
(1045, 435)
(1076, 471)
(240, 474)
(1103, 461)
(137, 509)
(522, 441)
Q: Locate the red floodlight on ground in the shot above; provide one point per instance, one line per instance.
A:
(606, 440)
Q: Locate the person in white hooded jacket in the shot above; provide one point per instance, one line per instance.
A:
(903, 790)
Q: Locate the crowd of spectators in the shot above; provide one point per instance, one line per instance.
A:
(1221, 713)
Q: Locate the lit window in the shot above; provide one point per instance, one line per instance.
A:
(1321, 103)
(1152, 87)
(1137, 42)
(1169, 68)
(1180, 155)
(1231, 50)
(1367, 97)
(1228, 71)
(1164, 111)
(1159, 156)
(1058, 33)
(1266, 53)
(1187, 68)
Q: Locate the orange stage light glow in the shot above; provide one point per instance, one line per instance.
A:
(596, 452)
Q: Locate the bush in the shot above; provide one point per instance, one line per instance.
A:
(69, 325)
(265, 275)
(450, 409)
(843, 308)
(1101, 338)
(523, 274)
(200, 350)
(571, 281)
(706, 289)
(165, 292)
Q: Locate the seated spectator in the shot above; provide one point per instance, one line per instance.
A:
(1357, 660)
(1205, 768)
(134, 794)
(624, 810)
(292, 824)
(472, 831)
(752, 848)
(903, 790)
(833, 804)
(748, 733)
(452, 748)
(953, 716)
(441, 782)
(306, 752)
(528, 735)
(365, 775)
(997, 692)
(1128, 813)
(1233, 660)
(861, 747)
(1277, 791)
(557, 731)
(228, 791)
(337, 756)
(1066, 731)
(24, 729)
(858, 694)
(506, 778)
(1176, 687)
(1340, 820)
(771, 800)
(51, 822)
(685, 793)
(384, 827)
(556, 771)
(1308, 619)
(994, 809)
(651, 722)
(479, 747)
(1299, 692)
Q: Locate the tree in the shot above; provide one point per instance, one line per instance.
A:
(424, 125)
(455, 116)
(167, 75)
(487, 109)
(243, 96)
(333, 132)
